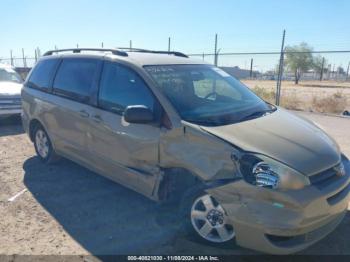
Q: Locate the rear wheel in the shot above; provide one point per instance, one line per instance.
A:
(205, 218)
(43, 146)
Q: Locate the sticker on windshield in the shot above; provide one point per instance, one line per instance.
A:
(9, 70)
(221, 72)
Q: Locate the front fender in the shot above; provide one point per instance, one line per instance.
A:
(203, 154)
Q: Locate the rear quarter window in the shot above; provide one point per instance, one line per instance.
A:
(42, 74)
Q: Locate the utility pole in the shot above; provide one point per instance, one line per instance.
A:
(280, 71)
(215, 50)
(169, 43)
(77, 46)
(322, 68)
(347, 72)
(101, 44)
(251, 68)
(130, 44)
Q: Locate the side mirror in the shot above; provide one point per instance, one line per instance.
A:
(138, 114)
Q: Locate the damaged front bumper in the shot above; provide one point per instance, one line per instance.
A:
(283, 222)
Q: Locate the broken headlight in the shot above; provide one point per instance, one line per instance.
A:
(263, 171)
(264, 175)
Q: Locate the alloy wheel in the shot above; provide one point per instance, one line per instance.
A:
(209, 219)
(42, 143)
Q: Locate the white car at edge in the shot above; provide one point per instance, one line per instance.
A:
(10, 91)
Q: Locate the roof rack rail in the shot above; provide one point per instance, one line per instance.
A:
(78, 50)
(131, 49)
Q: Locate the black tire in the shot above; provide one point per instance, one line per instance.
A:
(51, 156)
(187, 227)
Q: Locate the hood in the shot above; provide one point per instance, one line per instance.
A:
(285, 137)
(10, 88)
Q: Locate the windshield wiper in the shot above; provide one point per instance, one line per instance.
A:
(257, 114)
(202, 122)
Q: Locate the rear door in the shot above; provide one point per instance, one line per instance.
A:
(126, 152)
(72, 87)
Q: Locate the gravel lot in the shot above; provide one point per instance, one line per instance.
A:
(67, 209)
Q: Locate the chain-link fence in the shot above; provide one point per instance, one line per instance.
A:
(322, 85)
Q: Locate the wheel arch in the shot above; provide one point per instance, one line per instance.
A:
(176, 182)
(32, 125)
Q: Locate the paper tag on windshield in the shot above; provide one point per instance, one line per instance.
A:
(221, 72)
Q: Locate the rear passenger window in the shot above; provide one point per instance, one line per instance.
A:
(42, 73)
(75, 78)
(121, 87)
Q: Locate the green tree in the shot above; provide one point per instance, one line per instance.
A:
(299, 59)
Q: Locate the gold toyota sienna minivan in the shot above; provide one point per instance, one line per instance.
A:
(178, 130)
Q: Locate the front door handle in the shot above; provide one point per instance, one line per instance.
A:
(83, 113)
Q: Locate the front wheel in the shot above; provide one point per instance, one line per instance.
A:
(204, 217)
(43, 146)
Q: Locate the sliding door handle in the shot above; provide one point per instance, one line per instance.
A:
(96, 118)
(84, 114)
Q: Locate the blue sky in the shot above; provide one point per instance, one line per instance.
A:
(249, 25)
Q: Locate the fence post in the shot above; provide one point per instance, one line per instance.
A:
(322, 68)
(215, 50)
(11, 57)
(169, 42)
(251, 68)
(38, 52)
(280, 71)
(24, 59)
(35, 56)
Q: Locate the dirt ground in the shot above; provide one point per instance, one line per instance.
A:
(67, 209)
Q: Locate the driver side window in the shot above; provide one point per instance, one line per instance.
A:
(121, 87)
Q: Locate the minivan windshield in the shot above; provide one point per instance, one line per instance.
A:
(207, 95)
(9, 75)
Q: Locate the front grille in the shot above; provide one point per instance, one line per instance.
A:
(321, 180)
(4, 101)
